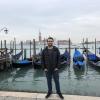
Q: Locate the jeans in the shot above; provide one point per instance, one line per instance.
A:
(55, 75)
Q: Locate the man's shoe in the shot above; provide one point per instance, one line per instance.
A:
(60, 95)
(48, 95)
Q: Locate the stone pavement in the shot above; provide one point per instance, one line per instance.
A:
(40, 96)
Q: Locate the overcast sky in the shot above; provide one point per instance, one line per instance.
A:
(58, 18)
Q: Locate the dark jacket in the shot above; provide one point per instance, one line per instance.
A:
(55, 58)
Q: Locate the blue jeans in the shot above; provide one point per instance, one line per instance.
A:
(55, 75)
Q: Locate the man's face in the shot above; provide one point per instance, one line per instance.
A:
(50, 42)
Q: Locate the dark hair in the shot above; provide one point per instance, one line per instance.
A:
(50, 38)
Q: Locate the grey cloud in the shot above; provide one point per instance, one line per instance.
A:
(58, 16)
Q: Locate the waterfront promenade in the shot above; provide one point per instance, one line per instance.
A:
(40, 96)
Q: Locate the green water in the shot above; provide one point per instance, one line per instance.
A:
(72, 81)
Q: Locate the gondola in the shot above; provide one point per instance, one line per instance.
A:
(64, 60)
(17, 56)
(78, 60)
(92, 59)
(20, 63)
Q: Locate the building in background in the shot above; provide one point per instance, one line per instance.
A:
(43, 41)
(40, 37)
(63, 42)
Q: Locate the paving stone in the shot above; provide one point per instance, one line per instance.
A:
(2, 98)
(40, 96)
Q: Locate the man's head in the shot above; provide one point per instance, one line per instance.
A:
(50, 41)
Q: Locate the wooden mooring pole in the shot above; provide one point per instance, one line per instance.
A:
(87, 45)
(30, 48)
(69, 51)
(22, 48)
(15, 45)
(34, 51)
(69, 47)
(5, 46)
(95, 47)
(10, 45)
(25, 56)
(99, 50)
(1, 44)
(83, 43)
(34, 47)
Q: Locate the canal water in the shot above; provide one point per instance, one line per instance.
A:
(72, 81)
(75, 82)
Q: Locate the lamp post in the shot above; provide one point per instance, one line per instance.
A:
(4, 29)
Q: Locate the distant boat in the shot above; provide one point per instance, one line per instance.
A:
(78, 60)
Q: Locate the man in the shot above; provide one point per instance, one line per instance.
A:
(50, 62)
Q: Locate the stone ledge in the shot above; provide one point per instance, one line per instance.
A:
(40, 96)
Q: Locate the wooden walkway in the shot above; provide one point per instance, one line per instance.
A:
(40, 96)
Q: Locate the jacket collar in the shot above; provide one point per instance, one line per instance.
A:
(47, 47)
